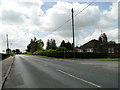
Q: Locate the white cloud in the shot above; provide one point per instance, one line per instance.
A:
(18, 38)
(12, 17)
(113, 13)
(20, 18)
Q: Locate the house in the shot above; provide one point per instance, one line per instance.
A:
(113, 50)
(90, 46)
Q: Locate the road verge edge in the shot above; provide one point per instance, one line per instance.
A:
(7, 73)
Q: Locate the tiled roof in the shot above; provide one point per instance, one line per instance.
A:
(91, 44)
(113, 45)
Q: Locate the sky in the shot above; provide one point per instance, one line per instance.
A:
(24, 19)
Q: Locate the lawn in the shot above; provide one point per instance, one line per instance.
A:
(99, 59)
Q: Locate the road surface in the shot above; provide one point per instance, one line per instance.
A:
(37, 72)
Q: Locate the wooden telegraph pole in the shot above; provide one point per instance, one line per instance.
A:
(73, 29)
(7, 42)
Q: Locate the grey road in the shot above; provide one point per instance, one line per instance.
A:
(37, 72)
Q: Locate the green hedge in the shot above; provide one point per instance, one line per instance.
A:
(3, 56)
(69, 54)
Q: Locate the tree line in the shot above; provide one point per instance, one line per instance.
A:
(37, 45)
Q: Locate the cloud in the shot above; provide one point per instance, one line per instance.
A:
(91, 17)
(20, 19)
(113, 13)
(18, 11)
(17, 38)
(12, 17)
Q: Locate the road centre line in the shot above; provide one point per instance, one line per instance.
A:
(79, 78)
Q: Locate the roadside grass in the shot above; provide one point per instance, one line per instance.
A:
(96, 59)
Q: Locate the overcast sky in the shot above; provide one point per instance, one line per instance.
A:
(24, 19)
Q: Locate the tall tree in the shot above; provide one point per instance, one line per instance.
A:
(100, 40)
(104, 38)
(34, 44)
(62, 44)
(51, 44)
(40, 44)
(111, 42)
(69, 45)
(17, 51)
(28, 47)
(48, 44)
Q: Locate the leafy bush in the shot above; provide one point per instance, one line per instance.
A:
(61, 49)
(12, 54)
(69, 54)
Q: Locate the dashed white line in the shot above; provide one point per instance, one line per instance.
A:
(98, 86)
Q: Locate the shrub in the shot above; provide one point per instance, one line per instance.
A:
(59, 53)
(61, 49)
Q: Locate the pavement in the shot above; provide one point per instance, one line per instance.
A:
(37, 72)
(4, 69)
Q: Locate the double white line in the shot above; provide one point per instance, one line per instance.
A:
(79, 78)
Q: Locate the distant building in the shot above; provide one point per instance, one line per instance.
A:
(113, 50)
(90, 46)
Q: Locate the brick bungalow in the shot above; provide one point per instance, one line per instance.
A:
(113, 50)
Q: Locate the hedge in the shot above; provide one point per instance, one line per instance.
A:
(3, 56)
(68, 54)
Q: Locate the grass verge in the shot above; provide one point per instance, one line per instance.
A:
(96, 59)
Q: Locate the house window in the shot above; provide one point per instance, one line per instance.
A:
(89, 50)
(80, 50)
(110, 50)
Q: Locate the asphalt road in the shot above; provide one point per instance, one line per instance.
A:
(37, 72)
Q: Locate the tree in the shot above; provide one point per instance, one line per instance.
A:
(14, 51)
(48, 44)
(34, 44)
(51, 44)
(28, 47)
(111, 42)
(104, 38)
(69, 45)
(100, 40)
(62, 44)
(17, 51)
(40, 44)
(8, 51)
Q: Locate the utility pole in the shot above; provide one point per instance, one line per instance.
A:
(7, 42)
(73, 29)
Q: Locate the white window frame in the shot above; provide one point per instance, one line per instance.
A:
(110, 50)
(89, 50)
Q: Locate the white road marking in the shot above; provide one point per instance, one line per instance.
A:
(86, 63)
(79, 78)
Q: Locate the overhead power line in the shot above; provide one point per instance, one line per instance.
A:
(74, 16)
(85, 8)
